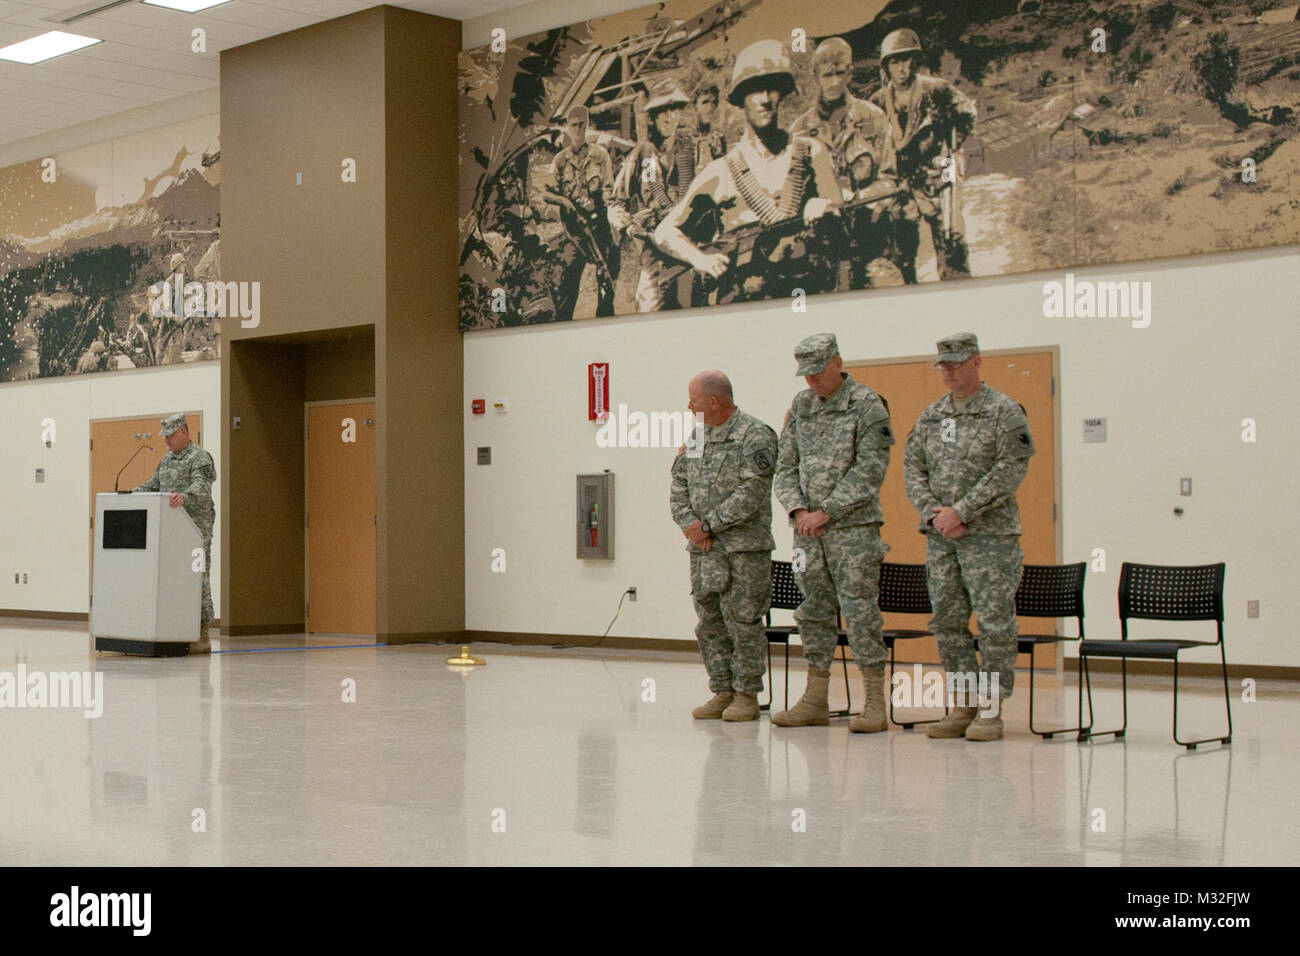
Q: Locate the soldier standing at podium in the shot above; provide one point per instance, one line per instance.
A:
(187, 471)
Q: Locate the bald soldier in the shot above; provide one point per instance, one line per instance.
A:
(964, 460)
(187, 472)
(833, 452)
(722, 500)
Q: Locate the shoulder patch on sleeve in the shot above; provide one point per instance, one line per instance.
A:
(1022, 442)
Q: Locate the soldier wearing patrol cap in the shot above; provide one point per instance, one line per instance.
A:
(769, 177)
(964, 461)
(833, 453)
(722, 500)
(187, 472)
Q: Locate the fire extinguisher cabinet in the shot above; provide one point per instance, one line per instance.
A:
(596, 516)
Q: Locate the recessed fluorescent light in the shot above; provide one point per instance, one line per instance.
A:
(47, 45)
(186, 6)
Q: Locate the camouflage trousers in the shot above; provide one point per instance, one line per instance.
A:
(841, 572)
(732, 592)
(206, 612)
(977, 573)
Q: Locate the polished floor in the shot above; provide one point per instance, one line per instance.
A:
(254, 756)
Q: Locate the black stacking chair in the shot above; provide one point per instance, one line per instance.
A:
(786, 597)
(1049, 590)
(903, 590)
(1160, 593)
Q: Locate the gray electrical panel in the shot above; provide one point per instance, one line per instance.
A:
(596, 516)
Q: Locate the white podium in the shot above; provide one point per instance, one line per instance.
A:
(146, 597)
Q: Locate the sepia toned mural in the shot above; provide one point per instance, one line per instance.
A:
(693, 154)
(84, 234)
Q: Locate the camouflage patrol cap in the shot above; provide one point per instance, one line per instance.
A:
(958, 347)
(762, 60)
(814, 352)
(174, 423)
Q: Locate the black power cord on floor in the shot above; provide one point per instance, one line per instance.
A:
(617, 610)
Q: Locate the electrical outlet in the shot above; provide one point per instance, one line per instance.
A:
(1185, 486)
(631, 593)
(1252, 609)
(24, 577)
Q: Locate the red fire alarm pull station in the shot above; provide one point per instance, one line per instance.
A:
(598, 391)
(478, 406)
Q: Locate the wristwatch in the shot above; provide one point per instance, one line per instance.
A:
(704, 526)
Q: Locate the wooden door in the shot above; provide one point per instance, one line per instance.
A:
(910, 387)
(112, 443)
(341, 518)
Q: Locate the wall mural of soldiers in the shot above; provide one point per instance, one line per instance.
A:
(731, 160)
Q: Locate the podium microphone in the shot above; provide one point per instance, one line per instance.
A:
(124, 467)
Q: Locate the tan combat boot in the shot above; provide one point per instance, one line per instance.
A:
(812, 709)
(954, 724)
(714, 708)
(203, 645)
(872, 718)
(743, 707)
(986, 728)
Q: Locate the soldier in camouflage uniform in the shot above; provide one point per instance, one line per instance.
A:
(964, 461)
(857, 132)
(710, 138)
(584, 177)
(187, 472)
(833, 453)
(766, 183)
(652, 178)
(929, 118)
(710, 144)
(722, 500)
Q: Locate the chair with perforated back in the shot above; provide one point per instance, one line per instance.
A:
(1049, 590)
(786, 597)
(903, 590)
(1160, 593)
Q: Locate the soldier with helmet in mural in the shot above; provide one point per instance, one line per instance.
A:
(653, 177)
(583, 178)
(771, 203)
(857, 133)
(928, 120)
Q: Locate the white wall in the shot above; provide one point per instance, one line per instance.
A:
(1221, 347)
(44, 528)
